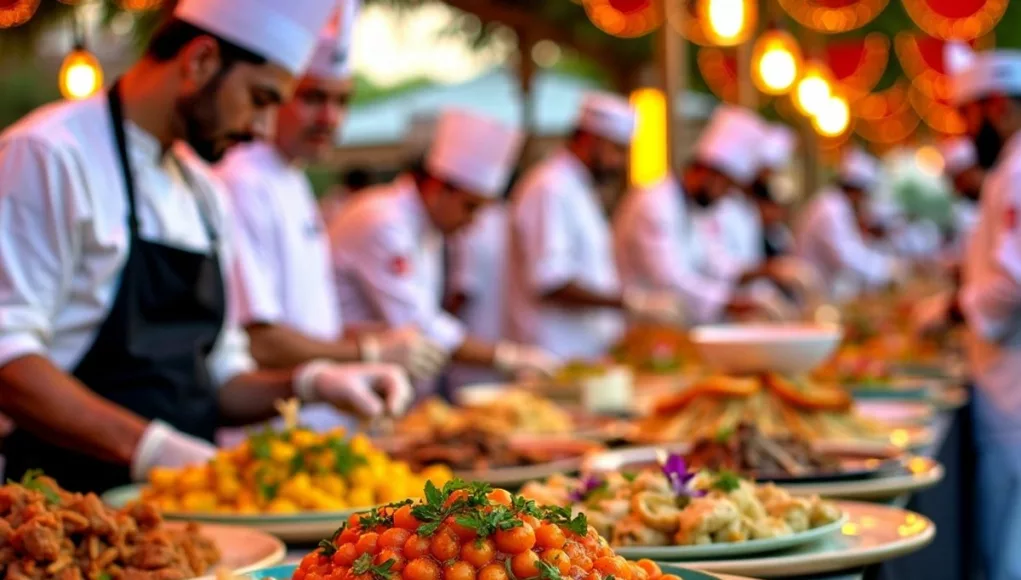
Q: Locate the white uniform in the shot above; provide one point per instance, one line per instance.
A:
(654, 247)
(560, 235)
(478, 261)
(991, 301)
(284, 275)
(64, 231)
(388, 261)
(828, 237)
(741, 233)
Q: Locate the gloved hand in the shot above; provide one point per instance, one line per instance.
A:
(799, 275)
(407, 347)
(523, 360)
(163, 446)
(931, 315)
(655, 306)
(370, 390)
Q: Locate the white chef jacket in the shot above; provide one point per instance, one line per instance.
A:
(560, 235)
(655, 250)
(283, 274)
(919, 239)
(388, 261)
(965, 218)
(741, 227)
(64, 230)
(478, 262)
(827, 236)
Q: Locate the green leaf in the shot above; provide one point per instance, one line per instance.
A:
(30, 480)
(433, 496)
(727, 481)
(104, 576)
(327, 547)
(362, 564)
(547, 571)
(345, 460)
(724, 433)
(486, 524)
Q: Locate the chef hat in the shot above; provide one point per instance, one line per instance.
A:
(958, 155)
(608, 116)
(992, 72)
(859, 169)
(473, 152)
(332, 56)
(284, 32)
(732, 143)
(777, 146)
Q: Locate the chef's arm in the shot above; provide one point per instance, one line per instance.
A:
(475, 352)
(992, 303)
(250, 397)
(277, 346)
(54, 406)
(846, 245)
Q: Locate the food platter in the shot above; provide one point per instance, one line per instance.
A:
(301, 527)
(286, 571)
(872, 534)
(912, 474)
(750, 547)
(897, 413)
(244, 549)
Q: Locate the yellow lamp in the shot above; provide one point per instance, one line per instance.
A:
(813, 89)
(80, 75)
(649, 162)
(776, 62)
(728, 22)
(833, 117)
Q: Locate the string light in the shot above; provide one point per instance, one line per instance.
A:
(728, 22)
(814, 89)
(776, 60)
(649, 162)
(80, 75)
(833, 117)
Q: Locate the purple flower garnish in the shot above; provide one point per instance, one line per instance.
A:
(676, 471)
(588, 485)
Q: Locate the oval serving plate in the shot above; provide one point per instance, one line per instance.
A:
(285, 573)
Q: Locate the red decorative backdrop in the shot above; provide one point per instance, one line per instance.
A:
(858, 64)
(625, 18)
(16, 12)
(833, 15)
(956, 19)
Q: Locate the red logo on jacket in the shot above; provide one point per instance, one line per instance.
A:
(400, 265)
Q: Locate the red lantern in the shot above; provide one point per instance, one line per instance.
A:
(956, 19)
(625, 18)
(833, 16)
(16, 12)
(858, 64)
(719, 69)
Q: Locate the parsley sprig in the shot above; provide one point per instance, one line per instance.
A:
(727, 481)
(30, 480)
(364, 565)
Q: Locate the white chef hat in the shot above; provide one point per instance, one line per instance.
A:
(958, 155)
(608, 116)
(473, 152)
(859, 169)
(284, 32)
(777, 146)
(332, 56)
(992, 72)
(732, 142)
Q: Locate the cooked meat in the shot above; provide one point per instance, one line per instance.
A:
(751, 453)
(39, 538)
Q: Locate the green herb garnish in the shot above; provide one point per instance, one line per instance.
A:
(30, 481)
(727, 481)
(364, 565)
(486, 524)
(548, 571)
(328, 548)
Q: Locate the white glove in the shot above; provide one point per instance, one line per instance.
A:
(524, 360)
(163, 446)
(930, 315)
(656, 306)
(407, 347)
(370, 390)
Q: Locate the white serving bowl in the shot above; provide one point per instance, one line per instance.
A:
(756, 348)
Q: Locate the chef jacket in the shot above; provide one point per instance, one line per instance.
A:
(388, 263)
(655, 250)
(64, 230)
(965, 215)
(560, 235)
(991, 291)
(741, 227)
(478, 262)
(283, 272)
(918, 239)
(828, 237)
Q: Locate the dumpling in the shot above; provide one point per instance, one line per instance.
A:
(632, 532)
(767, 528)
(651, 481)
(706, 515)
(735, 531)
(656, 510)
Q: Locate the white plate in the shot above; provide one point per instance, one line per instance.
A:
(922, 473)
(242, 549)
(515, 476)
(897, 413)
(754, 348)
(728, 549)
(873, 534)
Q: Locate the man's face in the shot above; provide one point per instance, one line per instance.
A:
(219, 107)
(609, 161)
(451, 209)
(307, 124)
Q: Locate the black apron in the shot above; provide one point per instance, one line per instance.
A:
(150, 353)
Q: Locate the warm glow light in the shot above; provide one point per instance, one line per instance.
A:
(649, 147)
(727, 22)
(80, 75)
(813, 90)
(929, 160)
(833, 118)
(776, 62)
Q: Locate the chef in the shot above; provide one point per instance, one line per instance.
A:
(117, 352)
(960, 162)
(388, 246)
(989, 95)
(828, 235)
(657, 248)
(563, 292)
(770, 190)
(285, 292)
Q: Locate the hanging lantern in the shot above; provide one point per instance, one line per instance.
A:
(956, 19)
(625, 18)
(728, 22)
(833, 117)
(683, 16)
(858, 64)
(649, 162)
(814, 89)
(16, 12)
(834, 16)
(776, 62)
(718, 67)
(81, 76)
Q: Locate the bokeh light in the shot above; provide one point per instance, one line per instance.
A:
(728, 22)
(649, 162)
(80, 75)
(814, 89)
(776, 60)
(833, 117)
